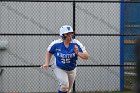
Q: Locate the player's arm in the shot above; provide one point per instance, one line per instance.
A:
(48, 58)
(83, 55)
(50, 51)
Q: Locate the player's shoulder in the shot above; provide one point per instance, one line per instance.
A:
(57, 41)
(76, 41)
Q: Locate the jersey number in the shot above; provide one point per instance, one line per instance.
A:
(65, 60)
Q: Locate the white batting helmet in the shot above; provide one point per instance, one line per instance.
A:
(65, 29)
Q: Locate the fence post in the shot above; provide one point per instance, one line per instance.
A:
(74, 33)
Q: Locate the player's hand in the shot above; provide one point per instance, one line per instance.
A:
(76, 50)
(45, 66)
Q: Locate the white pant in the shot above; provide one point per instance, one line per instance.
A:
(65, 77)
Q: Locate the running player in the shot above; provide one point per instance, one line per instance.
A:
(66, 51)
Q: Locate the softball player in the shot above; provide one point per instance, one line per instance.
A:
(66, 52)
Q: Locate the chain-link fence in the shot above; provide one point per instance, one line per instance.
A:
(108, 30)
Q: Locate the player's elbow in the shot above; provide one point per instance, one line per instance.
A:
(86, 56)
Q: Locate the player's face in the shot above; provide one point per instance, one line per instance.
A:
(68, 36)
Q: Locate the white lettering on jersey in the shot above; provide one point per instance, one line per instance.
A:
(66, 55)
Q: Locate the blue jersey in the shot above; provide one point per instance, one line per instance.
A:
(65, 56)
